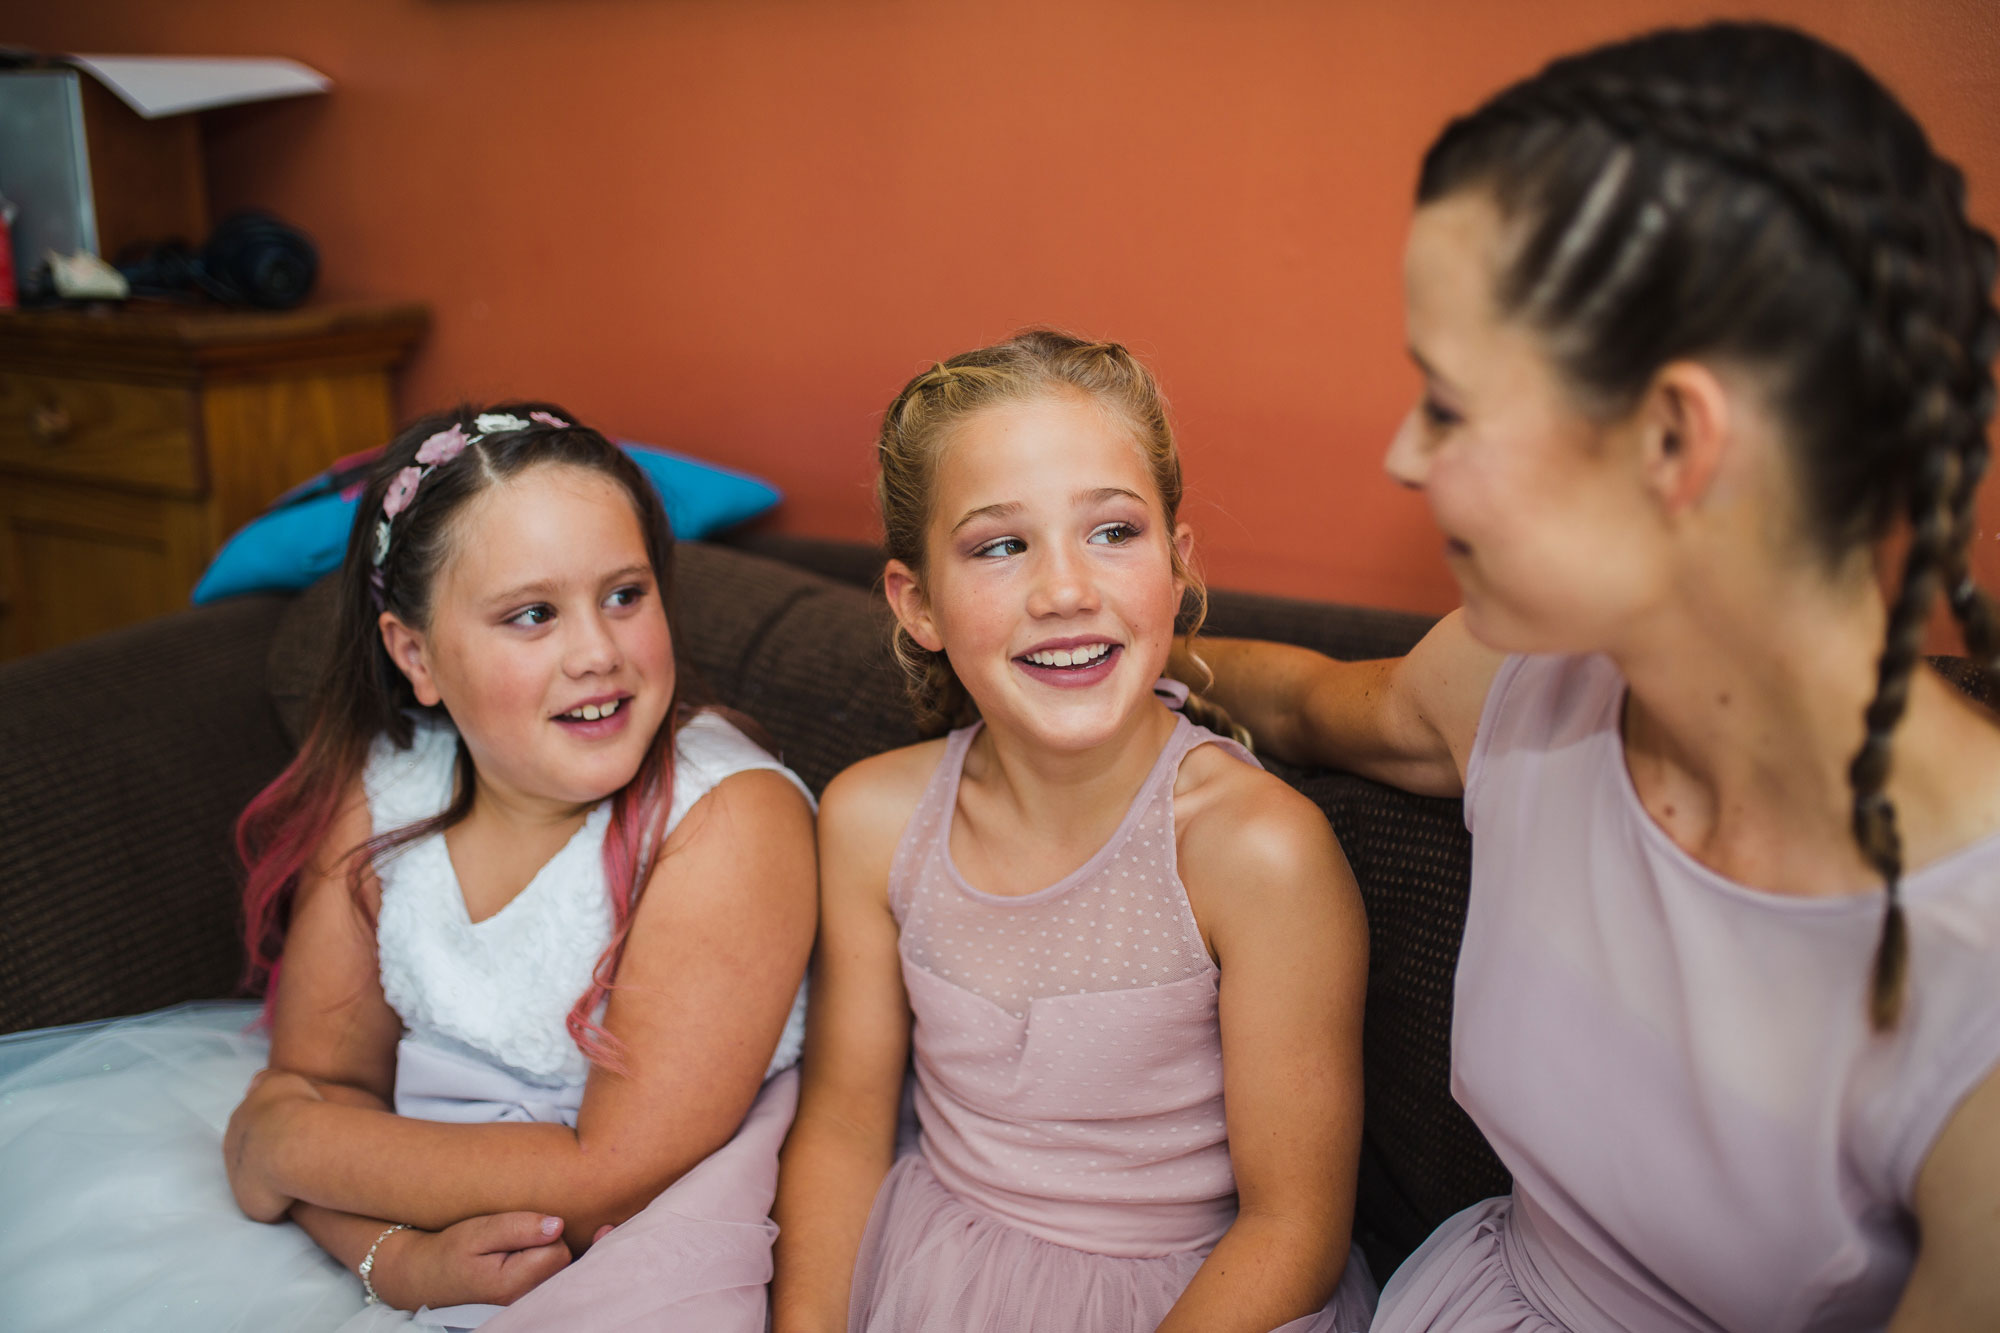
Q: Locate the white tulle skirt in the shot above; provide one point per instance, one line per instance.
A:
(115, 1212)
(114, 1209)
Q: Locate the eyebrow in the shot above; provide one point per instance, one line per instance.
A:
(1430, 371)
(1096, 495)
(548, 588)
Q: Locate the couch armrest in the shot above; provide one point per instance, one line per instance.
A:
(124, 759)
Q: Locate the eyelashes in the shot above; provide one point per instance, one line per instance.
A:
(1105, 534)
(541, 613)
(1437, 414)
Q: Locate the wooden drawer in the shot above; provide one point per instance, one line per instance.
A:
(133, 436)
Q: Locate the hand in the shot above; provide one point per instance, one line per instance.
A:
(250, 1136)
(491, 1260)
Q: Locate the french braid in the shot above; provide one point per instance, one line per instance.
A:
(1743, 190)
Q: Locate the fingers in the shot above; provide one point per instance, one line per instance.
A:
(523, 1270)
(602, 1232)
(501, 1233)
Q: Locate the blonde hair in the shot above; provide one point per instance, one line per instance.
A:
(1037, 363)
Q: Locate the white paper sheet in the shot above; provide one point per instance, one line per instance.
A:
(156, 86)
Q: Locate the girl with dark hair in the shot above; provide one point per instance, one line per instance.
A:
(531, 924)
(1704, 330)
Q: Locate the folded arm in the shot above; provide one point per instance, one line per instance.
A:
(715, 954)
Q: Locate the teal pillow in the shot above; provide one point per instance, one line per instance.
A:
(299, 540)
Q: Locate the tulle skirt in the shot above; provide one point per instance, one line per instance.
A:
(114, 1209)
(115, 1212)
(932, 1263)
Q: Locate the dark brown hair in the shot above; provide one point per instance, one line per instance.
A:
(362, 695)
(1745, 191)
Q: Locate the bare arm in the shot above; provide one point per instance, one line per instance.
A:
(492, 1260)
(843, 1140)
(716, 951)
(1407, 721)
(1956, 1285)
(1283, 914)
(333, 1030)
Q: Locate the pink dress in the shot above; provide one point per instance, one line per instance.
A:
(1704, 1132)
(1071, 1169)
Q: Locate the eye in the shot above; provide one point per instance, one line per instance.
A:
(1437, 414)
(541, 613)
(1114, 534)
(1000, 547)
(629, 595)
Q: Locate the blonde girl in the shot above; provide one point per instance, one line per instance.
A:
(1126, 964)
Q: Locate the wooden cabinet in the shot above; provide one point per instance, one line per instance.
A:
(133, 442)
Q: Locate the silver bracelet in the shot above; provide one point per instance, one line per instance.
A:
(368, 1264)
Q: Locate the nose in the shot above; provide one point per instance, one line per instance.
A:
(591, 649)
(1063, 585)
(1408, 461)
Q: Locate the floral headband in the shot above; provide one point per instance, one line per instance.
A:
(434, 453)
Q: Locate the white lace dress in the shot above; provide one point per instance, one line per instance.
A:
(114, 1209)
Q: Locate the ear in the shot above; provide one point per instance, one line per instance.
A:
(1685, 421)
(407, 650)
(907, 600)
(1184, 548)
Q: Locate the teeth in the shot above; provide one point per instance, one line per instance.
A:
(591, 712)
(1058, 657)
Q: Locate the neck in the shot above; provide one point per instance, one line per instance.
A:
(1064, 791)
(496, 805)
(1743, 716)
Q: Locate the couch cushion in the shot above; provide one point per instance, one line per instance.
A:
(1350, 633)
(823, 680)
(1422, 1157)
(124, 761)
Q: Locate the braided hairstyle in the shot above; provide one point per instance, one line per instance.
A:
(1036, 363)
(1744, 191)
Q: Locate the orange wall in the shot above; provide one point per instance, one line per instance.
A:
(736, 226)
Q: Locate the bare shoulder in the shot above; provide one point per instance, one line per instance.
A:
(864, 809)
(1447, 677)
(1248, 843)
(762, 796)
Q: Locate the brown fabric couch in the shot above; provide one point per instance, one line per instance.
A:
(125, 759)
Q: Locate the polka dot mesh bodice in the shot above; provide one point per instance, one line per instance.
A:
(1068, 1058)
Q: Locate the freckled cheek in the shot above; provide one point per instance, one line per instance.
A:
(972, 618)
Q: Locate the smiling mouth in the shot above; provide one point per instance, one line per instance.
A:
(591, 712)
(1072, 658)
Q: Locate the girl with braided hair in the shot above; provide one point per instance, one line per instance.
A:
(1705, 336)
(1083, 918)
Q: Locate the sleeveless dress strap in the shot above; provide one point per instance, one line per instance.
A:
(929, 820)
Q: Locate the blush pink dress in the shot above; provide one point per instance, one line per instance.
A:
(1071, 1169)
(1704, 1131)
